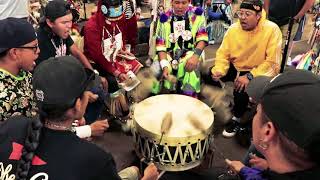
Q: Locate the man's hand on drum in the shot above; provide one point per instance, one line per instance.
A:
(165, 73)
(150, 173)
(216, 76)
(99, 127)
(241, 83)
(235, 166)
(122, 77)
(192, 63)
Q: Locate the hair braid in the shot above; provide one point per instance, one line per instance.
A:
(28, 152)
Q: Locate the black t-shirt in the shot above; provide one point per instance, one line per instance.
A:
(52, 45)
(280, 11)
(61, 155)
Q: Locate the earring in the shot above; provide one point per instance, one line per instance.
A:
(263, 145)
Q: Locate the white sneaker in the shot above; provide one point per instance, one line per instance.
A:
(231, 129)
(211, 42)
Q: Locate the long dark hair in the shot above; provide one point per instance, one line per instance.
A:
(291, 151)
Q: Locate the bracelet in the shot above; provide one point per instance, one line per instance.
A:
(164, 63)
(197, 51)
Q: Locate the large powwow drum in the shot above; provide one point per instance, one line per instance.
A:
(172, 131)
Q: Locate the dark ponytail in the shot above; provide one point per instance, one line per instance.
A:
(28, 152)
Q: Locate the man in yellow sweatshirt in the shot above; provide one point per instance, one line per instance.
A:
(251, 47)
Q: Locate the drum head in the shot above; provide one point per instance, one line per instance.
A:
(190, 116)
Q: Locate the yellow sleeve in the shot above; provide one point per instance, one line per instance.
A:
(221, 63)
(271, 65)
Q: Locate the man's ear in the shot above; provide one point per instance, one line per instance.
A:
(75, 110)
(13, 53)
(259, 15)
(49, 22)
(269, 132)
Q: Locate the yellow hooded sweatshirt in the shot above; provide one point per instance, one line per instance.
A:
(257, 51)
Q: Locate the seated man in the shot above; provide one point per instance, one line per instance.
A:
(18, 51)
(47, 147)
(251, 47)
(285, 128)
(16, 61)
(55, 41)
(106, 35)
(180, 40)
(54, 33)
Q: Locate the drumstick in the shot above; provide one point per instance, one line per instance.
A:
(143, 160)
(172, 78)
(196, 123)
(222, 84)
(160, 174)
(166, 124)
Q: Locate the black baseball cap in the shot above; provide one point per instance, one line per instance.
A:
(59, 8)
(60, 81)
(15, 32)
(292, 101)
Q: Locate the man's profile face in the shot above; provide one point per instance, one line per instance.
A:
(180, 7)
(61, 26)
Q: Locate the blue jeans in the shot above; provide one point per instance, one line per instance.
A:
(94, 109)
(209, 29)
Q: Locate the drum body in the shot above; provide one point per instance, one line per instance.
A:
(186, 142)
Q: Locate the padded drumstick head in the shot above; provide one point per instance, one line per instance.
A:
(196, 123)
(144, 89)
(172, 78)
(219, 100)
(166, 123)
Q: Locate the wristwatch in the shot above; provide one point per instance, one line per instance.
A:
(249, 76)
